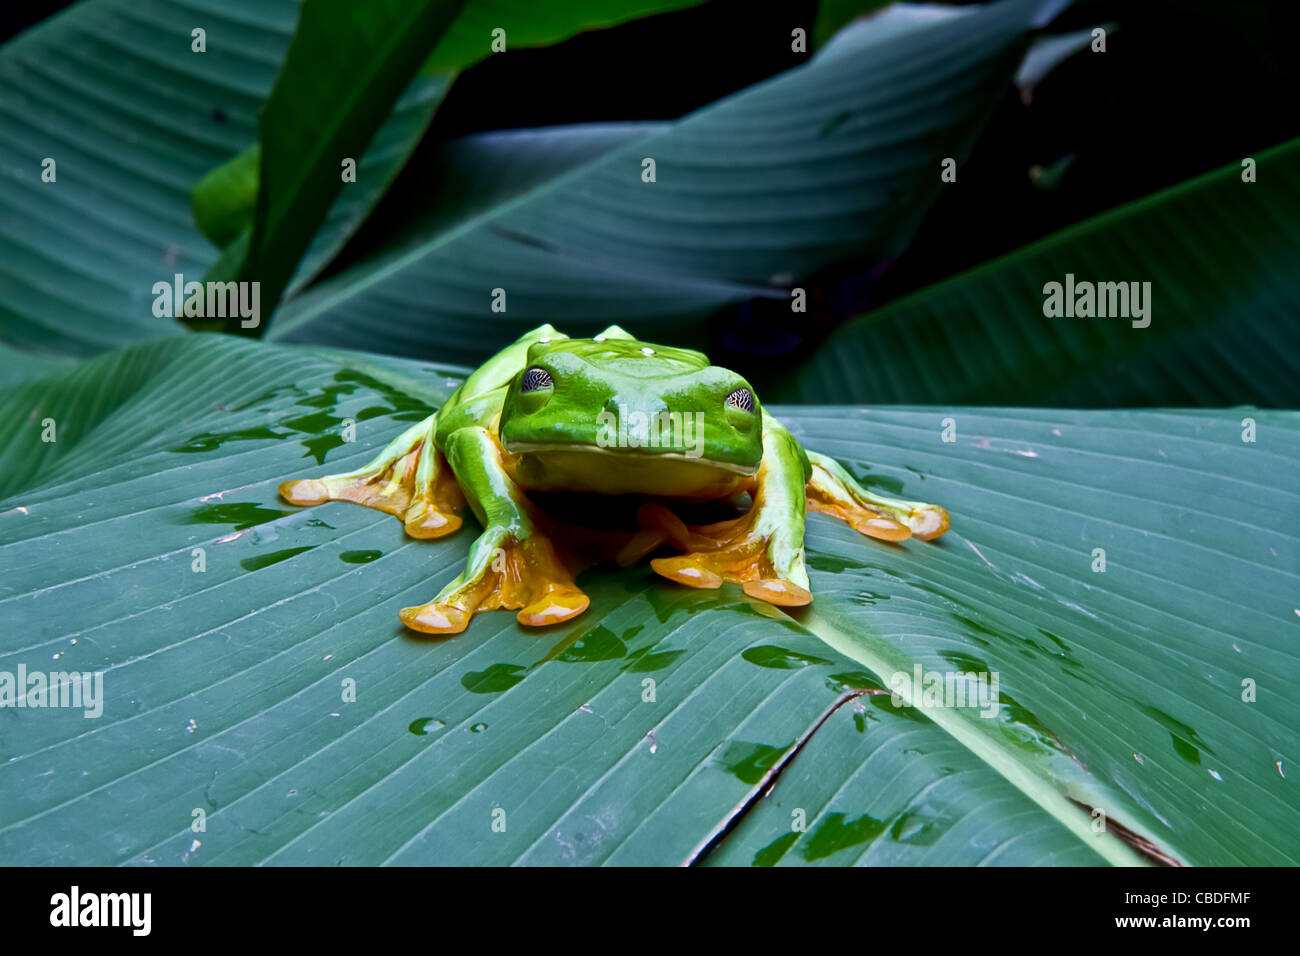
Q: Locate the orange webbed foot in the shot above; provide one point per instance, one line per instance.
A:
(742, 551)
(410, 478)
(833, 491)
(504, 572)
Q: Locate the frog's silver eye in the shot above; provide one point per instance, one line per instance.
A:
(741, 398)
(536, 379)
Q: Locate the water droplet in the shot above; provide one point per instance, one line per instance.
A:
(750, 762)
(423, 726)
(478, 728)
(780, 658)
(274, 557)
(360, 557)
(494, 680)
(242, 515)
(836, 832)
(191, 726)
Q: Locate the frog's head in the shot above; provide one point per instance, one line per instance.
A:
(619, 416)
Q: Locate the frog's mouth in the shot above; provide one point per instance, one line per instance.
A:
(546, 466)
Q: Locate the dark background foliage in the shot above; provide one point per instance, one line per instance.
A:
(1185, 86)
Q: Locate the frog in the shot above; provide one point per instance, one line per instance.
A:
(609, 415)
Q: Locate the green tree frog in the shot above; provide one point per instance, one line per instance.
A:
(609, 415)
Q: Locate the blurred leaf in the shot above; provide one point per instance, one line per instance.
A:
(225, 198)
(344, 71)
(112, 91)
(347, 65)
(18, 366)
(838, 157)
(1219, 254)
(223, 685)
(832, 15)
(1047, 53)
(531, 24)
(470, 176)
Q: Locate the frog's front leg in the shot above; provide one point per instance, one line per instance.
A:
(761, 550)
(410, 478)
(833, 491)
(513, 564)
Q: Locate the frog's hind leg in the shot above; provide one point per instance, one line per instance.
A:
(410, 478)
(513, 564)
(833, 491)
(762, 550)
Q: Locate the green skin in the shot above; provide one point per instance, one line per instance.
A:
(607, 415)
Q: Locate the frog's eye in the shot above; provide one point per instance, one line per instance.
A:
(741, 398)
(536, 379)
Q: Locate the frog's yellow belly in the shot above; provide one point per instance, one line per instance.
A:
(600, 471)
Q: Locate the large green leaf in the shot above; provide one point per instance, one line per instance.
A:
(224, 687)
(113, 93)
(1219, 253)
(838, 157)
(1123, 684)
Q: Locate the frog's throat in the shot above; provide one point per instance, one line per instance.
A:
(609, 471)
(641, 454)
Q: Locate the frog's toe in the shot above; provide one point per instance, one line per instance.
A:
(687, 570)
(524, 574)
(410, 478)
(305, 492)
(743, 550)
(436, 618)
(833, 491)
(389, 497)
(928, 522)
(561, 603)
(778, 591)
(863, 521)
(424, 520)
